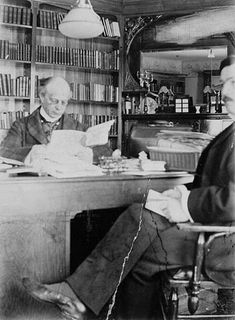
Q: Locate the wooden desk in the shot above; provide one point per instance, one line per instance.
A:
(35, 215)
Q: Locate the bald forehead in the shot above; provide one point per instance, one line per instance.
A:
(58, 86)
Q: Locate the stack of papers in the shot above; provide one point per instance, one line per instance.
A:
(6, 164)
(71, 168)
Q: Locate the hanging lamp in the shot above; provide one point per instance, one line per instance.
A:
(81, 22)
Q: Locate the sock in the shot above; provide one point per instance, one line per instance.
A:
(63, 288)
(66, 290)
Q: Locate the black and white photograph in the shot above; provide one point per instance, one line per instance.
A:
(117, 159)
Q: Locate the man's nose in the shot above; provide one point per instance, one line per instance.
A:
(59, 104)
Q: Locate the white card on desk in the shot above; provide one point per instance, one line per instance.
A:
(154, 202)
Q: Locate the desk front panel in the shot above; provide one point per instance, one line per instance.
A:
(35, 218)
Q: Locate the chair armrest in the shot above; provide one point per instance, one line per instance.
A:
(197, 227)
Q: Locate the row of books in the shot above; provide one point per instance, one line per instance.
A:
(94, 92)
(61, 55)
(7, 118)
(90, 120)
(50, 19)
(78, 57)
(18, 87)
(16, 15)
(111, 28)
(15, 51)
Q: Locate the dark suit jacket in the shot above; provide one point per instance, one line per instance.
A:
(212, 198)
(28, 131)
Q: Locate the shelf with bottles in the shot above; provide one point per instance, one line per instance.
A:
(175, 116)
(158, 96)
(173, 82)
(143, 102)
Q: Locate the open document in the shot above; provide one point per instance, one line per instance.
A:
(71, 141)
(69, 153)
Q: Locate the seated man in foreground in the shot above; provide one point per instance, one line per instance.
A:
(141, 243)
(29, 136)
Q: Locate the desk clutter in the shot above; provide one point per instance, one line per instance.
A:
(172, 151)
(180, 149)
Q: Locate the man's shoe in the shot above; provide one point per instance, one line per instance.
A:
(70, 308)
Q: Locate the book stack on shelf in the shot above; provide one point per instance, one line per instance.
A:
(7, 118)
(19, 87)
(111, 28)
(15, 51)
(94, 92)
(50, 19)
(16, 15)
(82, 58)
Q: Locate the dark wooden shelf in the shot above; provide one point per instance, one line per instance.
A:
(16, 61)
(14, 97)
(16, 25)
(94, 102)
(96, 70)
(175, 116)
(100, 38)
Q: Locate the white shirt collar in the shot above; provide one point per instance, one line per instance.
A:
(47, 117)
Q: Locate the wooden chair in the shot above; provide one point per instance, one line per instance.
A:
(211, 239)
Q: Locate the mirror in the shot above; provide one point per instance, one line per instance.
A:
(206, 29)
(193, 69)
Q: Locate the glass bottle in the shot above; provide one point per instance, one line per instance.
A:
(127, 104)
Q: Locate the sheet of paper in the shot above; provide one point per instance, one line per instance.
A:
(11, 161)
(99, 134)
(68, 141)
(71, 167)
(154, 202)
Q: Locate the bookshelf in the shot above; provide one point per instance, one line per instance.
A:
(32, 48)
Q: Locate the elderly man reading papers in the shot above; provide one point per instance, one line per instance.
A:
(155, 244)
(29, 137)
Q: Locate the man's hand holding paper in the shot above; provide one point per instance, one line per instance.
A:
(170, 204)
(69, 149)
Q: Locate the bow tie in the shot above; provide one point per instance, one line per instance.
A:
(48, 126)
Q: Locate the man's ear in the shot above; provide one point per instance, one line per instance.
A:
(41, 95)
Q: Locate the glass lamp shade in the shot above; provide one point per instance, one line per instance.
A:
(81, 23)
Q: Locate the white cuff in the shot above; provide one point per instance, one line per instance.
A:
(184, 200)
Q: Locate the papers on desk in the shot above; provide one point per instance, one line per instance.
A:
(71, 168)
(69, 152)
(11, 161)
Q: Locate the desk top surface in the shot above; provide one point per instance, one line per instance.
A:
(113, 177)
(50, 196)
